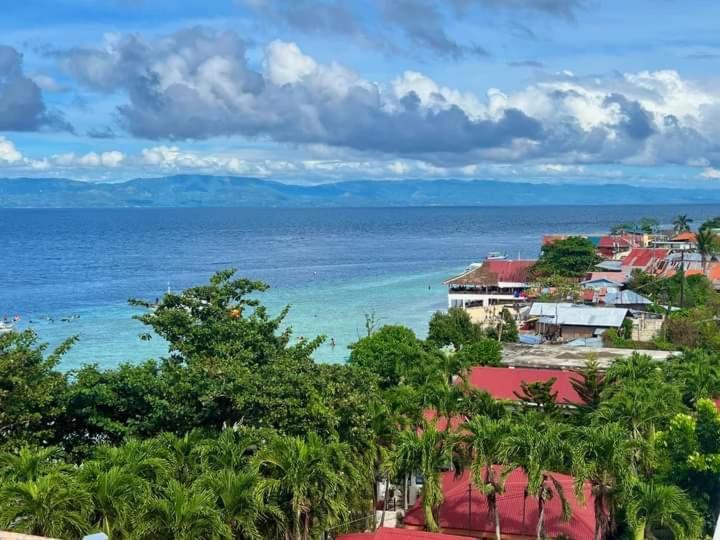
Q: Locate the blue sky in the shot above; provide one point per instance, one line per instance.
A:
(322, 90)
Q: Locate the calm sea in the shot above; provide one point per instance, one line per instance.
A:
(331, 265)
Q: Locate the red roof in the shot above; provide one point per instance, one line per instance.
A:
(441, 422)
(686, 236)
(465, 510)
(491, 272)
(502, 382)
(386, 533)
(644, 257)
(618, 277)
(614, 241)
(513, 271)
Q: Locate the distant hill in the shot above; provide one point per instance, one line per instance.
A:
(228, 191)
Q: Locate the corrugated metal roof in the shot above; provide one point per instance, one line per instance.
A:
(626, 297)
(491, 272)
(576, 315)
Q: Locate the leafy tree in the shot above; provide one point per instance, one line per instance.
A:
(388, 353)
(655, 507)
(602, 456)
(648, 225)
(28, 464)
(506, 329)
(539, 394)
(689, 456)
(53, 505)
(697, 372)
(681, 223)
(183, 513)
(588, 383)
(428, 451)
(483, 352)
(221, 320)
(622, 227)
(571, 257)
(540, 448)
(485, 439)
(245, 503)
(31, 390)
(707, 245)
(453, 328)
(713, 223)
(314, 492)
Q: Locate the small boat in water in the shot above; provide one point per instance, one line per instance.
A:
(496, 256)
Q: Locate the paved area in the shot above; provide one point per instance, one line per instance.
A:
(560, 356)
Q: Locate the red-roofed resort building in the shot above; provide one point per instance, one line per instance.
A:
(490, 283)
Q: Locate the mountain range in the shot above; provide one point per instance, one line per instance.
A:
(230, 191)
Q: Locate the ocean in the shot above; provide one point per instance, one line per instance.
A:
(332, 266)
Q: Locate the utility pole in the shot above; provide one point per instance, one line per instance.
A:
(682, 279)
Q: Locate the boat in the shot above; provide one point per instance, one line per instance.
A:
(496, 256)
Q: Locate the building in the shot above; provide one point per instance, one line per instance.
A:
(490, 283)
(612, 246)
(464, 511)
(506, 382)
(389, 533)
(571, 321)
(644, 259)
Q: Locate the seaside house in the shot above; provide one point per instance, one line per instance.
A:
(614, 246)
(490, 283)
(565, 321)
(644, 259)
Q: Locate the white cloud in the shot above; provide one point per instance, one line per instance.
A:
(8, 153)
(710, 173)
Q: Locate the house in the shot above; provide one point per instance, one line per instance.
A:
(506, 382)
(464, 511)
(611, 246)
(490, 283)
(680, 242)
(626, 299)
(571, 321)
(643, 259)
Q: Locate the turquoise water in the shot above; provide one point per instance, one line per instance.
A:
(331, 265)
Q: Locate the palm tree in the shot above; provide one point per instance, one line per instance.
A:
(428, 451)
(485, 440)
(51, 505)
(243, 498)
(114, 493)
(603, 457)
(29, 463)
(651, 507)
(182, 513)
(706, 243)
(145, 459)
(232, 449)
(304, 474)
(539, 448)
(682, 223)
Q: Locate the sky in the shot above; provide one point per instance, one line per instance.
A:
(311, 91)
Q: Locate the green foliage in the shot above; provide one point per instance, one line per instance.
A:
(482, 352)
(31, 390)
(682, 223)
(453, 327)
(570, 257)
(388, 353)
(698, 290)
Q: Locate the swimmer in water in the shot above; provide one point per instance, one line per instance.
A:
(332, 343)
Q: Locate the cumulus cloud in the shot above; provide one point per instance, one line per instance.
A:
(8, 152)
(21, 101)
(197, 83)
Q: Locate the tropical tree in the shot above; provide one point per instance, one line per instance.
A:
(485, 439)
(183, 513)
(602, 457)
(588, 383)
(540, 448)
(706, 243)
(681, 223)
(114, 493)
(654, 507)
(245, 503)
(52, 505)
(429, 452)
(307, 475)
(28, 464)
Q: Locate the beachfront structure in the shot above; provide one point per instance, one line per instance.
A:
(572, 321)
(490, 283)
(614, 246)
(644, 259)
(464, 510)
